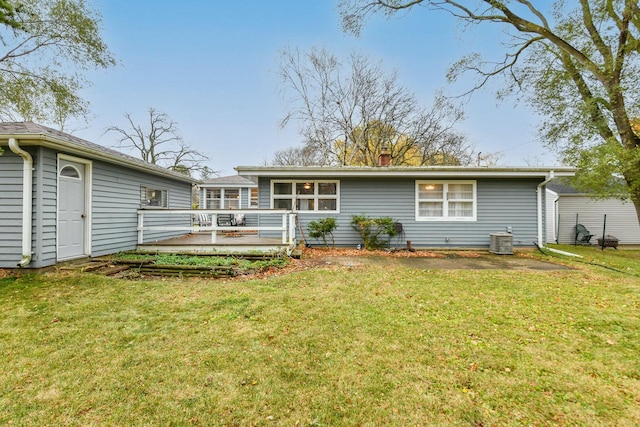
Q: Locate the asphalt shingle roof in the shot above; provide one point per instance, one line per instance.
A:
(8, 129)
(232, 180)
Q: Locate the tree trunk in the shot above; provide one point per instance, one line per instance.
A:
(635, 198)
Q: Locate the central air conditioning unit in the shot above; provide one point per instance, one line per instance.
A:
(501, 244)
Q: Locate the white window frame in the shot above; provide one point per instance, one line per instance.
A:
(77, 177)
(254, 201)
(223, 197)
(315, 196)
(144, 189)
(445, 205)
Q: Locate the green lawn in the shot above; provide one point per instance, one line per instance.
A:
(335, 346)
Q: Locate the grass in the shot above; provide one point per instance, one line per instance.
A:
(337, 346)
(623, 260)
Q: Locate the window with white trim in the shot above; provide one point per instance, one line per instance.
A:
(445, 200)
(70, 172)
(311, 196)
(253, 197)
(154, 197)
(222, 198)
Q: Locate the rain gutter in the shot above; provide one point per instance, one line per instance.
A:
(539, 191)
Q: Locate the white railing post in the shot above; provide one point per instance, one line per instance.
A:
(284, 228)
(140, 227)
(214, 227)
(292, 228)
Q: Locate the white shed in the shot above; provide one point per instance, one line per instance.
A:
(566, 207)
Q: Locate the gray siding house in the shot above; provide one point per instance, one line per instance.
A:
(63, 198)
(567, 205)
(453, 207)
(228, 192)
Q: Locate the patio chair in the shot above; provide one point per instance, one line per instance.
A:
(399, 229)
(204, 220)
(582, 235)
(225, 220)
(239, 220)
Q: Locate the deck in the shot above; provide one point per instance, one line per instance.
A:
(230, 243)
(210, 237)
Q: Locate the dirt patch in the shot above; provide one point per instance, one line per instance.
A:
(5, 273)
(421, 259)
(398, 253)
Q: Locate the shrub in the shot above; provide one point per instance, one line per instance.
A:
(323, 229)
(371, 230)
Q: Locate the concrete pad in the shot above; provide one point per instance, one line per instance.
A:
(447, 262)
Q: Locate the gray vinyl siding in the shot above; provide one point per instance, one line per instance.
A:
(116, 200)
(244, 198)
(501, 203)
(43, 215)
(622, 221)
(45, 178)
(11, 208)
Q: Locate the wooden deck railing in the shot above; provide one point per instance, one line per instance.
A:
(167, 217)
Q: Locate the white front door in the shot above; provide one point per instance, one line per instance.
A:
(71, 209)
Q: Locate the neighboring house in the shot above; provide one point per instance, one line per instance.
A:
(63, 198)
(228, 192)
(437, 206)
(567, 207)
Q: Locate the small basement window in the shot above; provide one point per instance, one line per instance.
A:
(154, 197)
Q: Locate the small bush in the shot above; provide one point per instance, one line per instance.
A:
(323, 229)
(371, 230)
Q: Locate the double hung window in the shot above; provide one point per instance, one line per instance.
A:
(312, 196)
(445, 200)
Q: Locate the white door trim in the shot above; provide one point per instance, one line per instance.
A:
(88, 186)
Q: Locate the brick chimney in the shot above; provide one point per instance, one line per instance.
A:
(384, 159)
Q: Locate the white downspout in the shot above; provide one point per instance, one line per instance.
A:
(539, 191)
(27, 201)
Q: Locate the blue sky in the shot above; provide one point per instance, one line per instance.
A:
(211, 66)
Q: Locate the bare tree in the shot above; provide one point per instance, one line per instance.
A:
(160, 143)
(576, 62)
(298, 156)
(348, 112)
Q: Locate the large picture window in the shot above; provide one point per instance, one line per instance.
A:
(154, 197)
(312, 196)
(445, 200)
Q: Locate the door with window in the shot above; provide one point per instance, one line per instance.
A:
(71, 209)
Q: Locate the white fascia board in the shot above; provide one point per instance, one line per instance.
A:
(230, 185)
(77, 150)
(413, 172)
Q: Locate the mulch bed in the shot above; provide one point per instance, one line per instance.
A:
(309, 255)
(320, 252)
